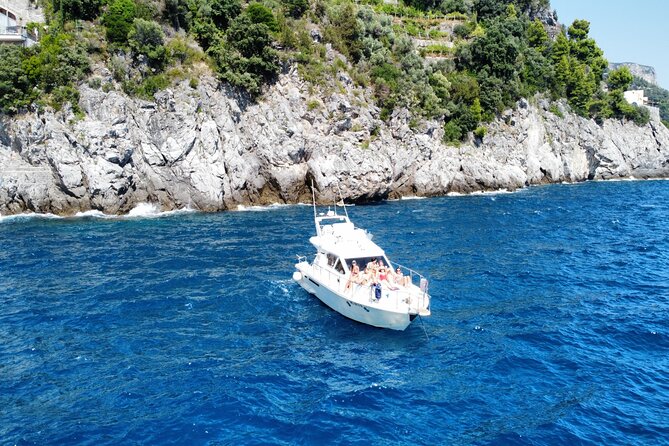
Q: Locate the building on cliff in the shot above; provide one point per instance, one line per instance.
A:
(636, 97)
(14, 15)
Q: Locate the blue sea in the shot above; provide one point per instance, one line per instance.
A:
(550, 325)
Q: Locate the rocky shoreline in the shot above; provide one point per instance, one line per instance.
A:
(210, 149)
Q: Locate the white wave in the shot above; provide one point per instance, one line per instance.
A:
(412, 197)
(484, 193)
(494, 192)
(620, 180)
(269, 207)
(144, 210)
(93, 214)
(186, 210)
(151, 210)
(632, 178)
(28, 216)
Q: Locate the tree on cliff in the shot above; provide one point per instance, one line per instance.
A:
(620, 79)
(14, 83)
(77, 9)
(245, 57)
(118, 20)
(146, 38)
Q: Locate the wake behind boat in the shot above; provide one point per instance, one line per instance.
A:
(352, 275)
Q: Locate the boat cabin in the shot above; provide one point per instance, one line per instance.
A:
(335, 263)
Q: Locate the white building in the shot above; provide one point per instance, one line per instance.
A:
(8, 19)
(636, 97)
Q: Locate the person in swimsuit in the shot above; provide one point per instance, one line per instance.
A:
(355, 272)
(400, 279)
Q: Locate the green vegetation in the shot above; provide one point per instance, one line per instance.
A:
(118, 20)
(476, 57)
(45, 72)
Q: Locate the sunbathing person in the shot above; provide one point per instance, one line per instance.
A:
(355, 272)
(386, 278)
(368, 276)
(400, 278)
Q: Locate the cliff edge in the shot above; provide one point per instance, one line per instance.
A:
(211, 149)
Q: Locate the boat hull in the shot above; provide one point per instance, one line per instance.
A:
(366, 314)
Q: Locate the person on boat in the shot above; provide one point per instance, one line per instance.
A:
(386, 278)
(400, 278)
(355, 272)
(383, 274)
(368, 276)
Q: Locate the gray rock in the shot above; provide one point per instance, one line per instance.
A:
(210, 149)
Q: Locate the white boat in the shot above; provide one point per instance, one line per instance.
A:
(391, 303)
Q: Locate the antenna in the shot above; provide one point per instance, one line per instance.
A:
(313, 200)
(313, 196)
(341, 197)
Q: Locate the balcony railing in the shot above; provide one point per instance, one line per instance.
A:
(17, 34)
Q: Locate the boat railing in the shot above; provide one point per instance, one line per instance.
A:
(333, 278)
(423, 283)
(330, 274)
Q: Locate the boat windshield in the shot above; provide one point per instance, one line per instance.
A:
(363, 261)
(332, 220)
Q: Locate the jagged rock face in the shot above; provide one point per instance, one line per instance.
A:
(210, 149)
(644, 72)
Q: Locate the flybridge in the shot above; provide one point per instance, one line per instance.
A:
(330, 221)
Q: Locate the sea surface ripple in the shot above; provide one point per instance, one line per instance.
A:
(550, 325)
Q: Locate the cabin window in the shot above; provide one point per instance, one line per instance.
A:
(339, 267)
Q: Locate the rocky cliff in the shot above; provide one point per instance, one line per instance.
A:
(644, 72)
(209, 148)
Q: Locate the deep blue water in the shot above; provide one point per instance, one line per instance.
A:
(550, 326)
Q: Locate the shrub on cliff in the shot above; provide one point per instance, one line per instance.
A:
(210, 19)
(245, 57)
(146, 38)
(27, 74)
(259, 13)
(58, 60)
(344, 31)
(620, 79)
(118, 20)
(15, 87)
(77, 9)
(295, 8)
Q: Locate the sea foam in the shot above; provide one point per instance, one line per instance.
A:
(152, 210)
(484, 193)
(28, 216)
(269, 207)
(142, 210)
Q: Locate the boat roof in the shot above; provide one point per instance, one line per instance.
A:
(336, 234)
